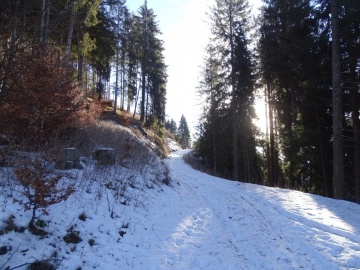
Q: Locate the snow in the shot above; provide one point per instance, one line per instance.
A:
(174, 146)
(199, 222)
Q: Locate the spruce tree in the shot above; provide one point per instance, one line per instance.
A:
(171, 126)
(153, 68)
(228, 76)
(183, 133)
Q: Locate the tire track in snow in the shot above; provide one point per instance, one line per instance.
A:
(338, 244)
(230, 239)
(255, 235)
(198, 232)
(247, 227)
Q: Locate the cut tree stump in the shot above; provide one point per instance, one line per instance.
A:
(69, 159)
(104, 156)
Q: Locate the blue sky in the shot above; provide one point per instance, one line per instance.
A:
(185, 35)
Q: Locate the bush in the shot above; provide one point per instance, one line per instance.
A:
(45, 96)
(40, 187)
(72, 237)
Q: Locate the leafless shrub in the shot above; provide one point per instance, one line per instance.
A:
(131, 152)
(41, 186)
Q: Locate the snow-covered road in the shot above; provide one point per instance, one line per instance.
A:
(199, 222)
(208, 223)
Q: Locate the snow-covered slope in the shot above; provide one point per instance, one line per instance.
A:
(200, 222)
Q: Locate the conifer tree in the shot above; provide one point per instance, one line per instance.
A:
(171, 126)
(183, 133)
(153, 68)
(228, 75)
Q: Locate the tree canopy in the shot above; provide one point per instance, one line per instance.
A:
(289, 65)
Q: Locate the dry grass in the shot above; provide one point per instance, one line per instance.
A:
(197, 164)
(137, 128)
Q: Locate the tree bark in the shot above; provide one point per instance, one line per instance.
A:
(9, 63)
(272, 139)
(71, 29)
(267, 137)
(234, 101)
(327, 183)
(47, 21)
(116, 80)
(137, 96)
(338, 151)
(356, 129)
(42, 21)
(357, 152)
(143, 66)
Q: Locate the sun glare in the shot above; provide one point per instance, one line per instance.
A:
(260, 109)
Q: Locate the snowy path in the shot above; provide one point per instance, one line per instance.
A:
(208, 223)
(200, 222)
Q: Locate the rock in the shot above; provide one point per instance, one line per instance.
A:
(104, 156)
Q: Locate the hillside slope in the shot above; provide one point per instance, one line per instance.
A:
(199, 222)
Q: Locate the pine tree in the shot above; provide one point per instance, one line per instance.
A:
(293, 53)
(171, 126)
(153, 68)
(183, 133)
(228, 75)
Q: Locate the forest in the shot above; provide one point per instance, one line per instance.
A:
(303, 58)
(57, 58)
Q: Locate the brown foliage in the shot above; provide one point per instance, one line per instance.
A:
(40, 186)
(91, 113)
(45, 95)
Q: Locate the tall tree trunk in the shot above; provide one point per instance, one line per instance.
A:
(234, 101)
(71, 29)
(123, 80)
(147, 102)
(357, 152)
(42, 21)
(121, 87)
(272, 139)
(47, 21)
(356, 130)
(213, 132)
(144, 64)
(327, 184)
(116, 80)
(143, 96)
(86, 80)
(338, 151)
(8, 65)
(267, 112)
(129, 89)
(353, 59)
(137, 96)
